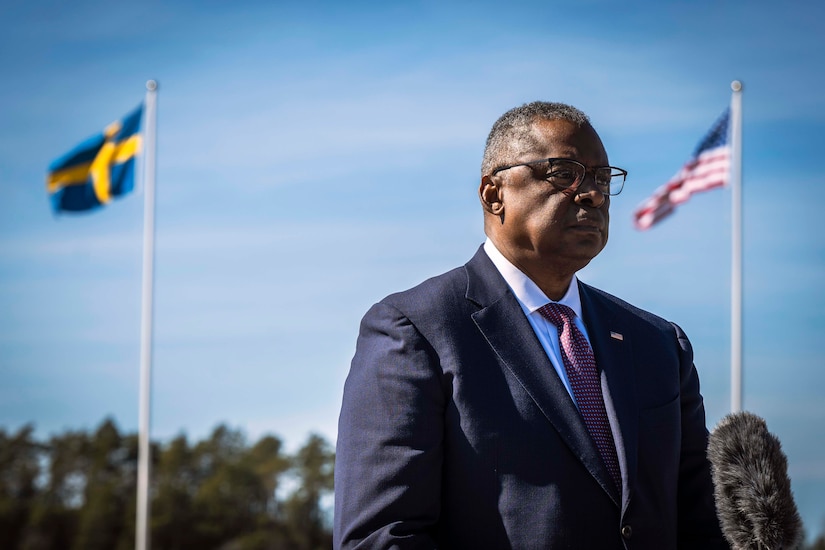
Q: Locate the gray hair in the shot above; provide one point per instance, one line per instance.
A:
(513, 130)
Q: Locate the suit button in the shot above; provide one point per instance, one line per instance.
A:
(627, 532)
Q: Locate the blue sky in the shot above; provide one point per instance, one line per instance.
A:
(314, 157)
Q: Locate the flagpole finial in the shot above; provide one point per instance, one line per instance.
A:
(736, 86)
(151, 85)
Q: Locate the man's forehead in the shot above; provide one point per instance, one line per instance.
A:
(562, 138)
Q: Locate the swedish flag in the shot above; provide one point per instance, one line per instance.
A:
(100, 168)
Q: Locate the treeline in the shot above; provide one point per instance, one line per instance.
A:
(77, 491)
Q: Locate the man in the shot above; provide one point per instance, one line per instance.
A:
(479, 414)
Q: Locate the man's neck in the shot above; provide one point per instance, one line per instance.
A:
(553, 285)
(552, 282)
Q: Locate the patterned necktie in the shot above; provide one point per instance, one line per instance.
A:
(580, 365)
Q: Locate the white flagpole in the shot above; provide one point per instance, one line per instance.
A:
(147, 301)
(736, 246)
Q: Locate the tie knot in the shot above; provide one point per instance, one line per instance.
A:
(558, 314)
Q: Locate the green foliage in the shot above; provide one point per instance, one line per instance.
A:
(19, 469)
(78, 490)
(313, 465)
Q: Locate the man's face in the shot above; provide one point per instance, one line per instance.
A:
(541, 227)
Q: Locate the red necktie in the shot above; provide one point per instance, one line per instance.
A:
(580, 365)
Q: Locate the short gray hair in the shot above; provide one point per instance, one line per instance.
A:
(514, 128)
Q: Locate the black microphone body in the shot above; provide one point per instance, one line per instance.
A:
(753, 494)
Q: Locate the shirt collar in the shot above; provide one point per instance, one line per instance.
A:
(528, 294)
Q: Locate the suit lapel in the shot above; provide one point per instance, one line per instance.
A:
(504, 325)
(612, 347)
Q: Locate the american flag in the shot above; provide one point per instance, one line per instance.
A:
(707, 169)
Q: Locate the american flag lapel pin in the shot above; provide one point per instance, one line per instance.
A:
(616, 335)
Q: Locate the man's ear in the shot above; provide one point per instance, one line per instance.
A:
(491, 194)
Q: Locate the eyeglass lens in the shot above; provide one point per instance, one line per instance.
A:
(567, 173)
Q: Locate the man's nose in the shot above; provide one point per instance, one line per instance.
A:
(589, 193)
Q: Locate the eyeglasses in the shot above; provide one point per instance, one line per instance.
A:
(569, 174)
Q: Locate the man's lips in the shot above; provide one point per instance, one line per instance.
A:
(587, 225)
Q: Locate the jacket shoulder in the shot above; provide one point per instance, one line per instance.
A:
(621, 307)
(437, 294)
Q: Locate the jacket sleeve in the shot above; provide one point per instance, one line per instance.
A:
(390, 431)
(698, 526)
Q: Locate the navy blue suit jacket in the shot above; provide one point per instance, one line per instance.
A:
(456, 432)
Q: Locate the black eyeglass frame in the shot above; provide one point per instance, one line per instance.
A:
(575, 185)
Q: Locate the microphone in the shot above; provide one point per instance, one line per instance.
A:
(753, 494)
